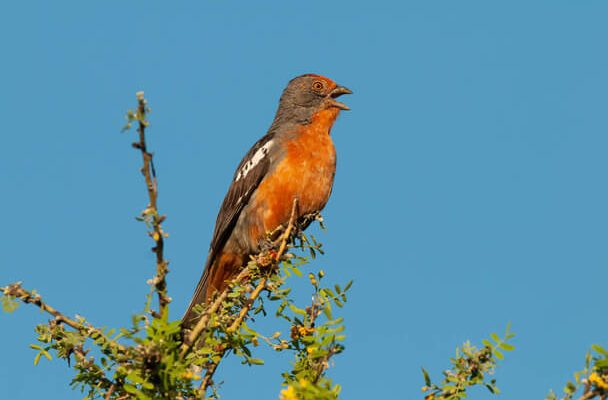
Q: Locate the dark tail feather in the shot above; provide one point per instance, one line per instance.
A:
(219, 270)
(199, 297)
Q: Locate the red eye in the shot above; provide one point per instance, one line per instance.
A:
(318, 85)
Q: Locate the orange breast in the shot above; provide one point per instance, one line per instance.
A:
(306, 173)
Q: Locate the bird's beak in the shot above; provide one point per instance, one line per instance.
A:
(337, 92)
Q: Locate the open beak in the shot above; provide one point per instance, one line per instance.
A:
(337, 92)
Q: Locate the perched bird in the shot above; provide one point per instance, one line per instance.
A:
(296, 159)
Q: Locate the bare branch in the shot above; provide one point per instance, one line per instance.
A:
(151, 212)
(110, 391)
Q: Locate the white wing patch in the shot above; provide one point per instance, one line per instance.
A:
(253, 161)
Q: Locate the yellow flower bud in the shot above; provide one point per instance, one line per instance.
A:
(288, 394)
(597, 380)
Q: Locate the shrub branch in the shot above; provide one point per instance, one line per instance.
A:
(150, 215)
(15, 290)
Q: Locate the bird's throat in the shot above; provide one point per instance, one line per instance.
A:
(322, 121)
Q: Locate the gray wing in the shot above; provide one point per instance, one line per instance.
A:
(248, 176)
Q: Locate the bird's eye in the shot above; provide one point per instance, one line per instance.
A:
(318, 85)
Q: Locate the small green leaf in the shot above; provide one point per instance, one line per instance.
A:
(551, 396)
(570, 388)
(601, 363)
(599, 349)
(134, 377)
(297, 310)
(9, 304)
(427, 378)
(335, 321)
(506, 346)
(327, 311)
(47, 355)
(130, 388)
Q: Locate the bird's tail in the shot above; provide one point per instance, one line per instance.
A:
(218, 272)
(199, 297)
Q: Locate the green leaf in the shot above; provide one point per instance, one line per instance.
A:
(449, 389)
(495, 338)
(9, 304)
(248, 329)
(297, 310)
(47, 355)
(134, 377)
(601, 363)
(551, 396)
(130, 388)
(334, 321)
(599, 349)
(37, 358)
(570, 388)
(498, 354)
(427, 378)
(255, 361)
(506, 346)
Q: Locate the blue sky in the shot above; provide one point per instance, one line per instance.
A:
(471, 185)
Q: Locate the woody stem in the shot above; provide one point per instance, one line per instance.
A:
(158, 235)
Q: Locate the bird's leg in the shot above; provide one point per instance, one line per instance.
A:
(305, 220)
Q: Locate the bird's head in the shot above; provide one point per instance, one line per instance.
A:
(309, 94)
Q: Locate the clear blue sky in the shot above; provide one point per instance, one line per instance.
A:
(471, 185)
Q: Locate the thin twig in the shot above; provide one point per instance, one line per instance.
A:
(157, 234)
(15, 290)
(243, 313)
(93, 369)
(589, 395)
(110, 391)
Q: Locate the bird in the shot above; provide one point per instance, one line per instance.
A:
(294, 160)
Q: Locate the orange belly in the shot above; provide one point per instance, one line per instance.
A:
(306, 173)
